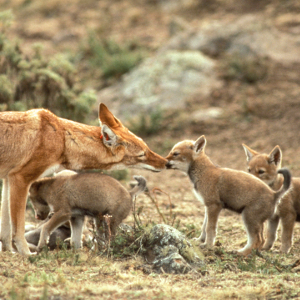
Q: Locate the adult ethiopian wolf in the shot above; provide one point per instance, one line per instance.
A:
(36, 142)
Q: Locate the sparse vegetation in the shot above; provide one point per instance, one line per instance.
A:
(247, 68)
(112, 58)
(39, 81)
(147, 124)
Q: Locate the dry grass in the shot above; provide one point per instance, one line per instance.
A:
(65, 274)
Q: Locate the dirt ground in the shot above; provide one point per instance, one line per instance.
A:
(261, 115)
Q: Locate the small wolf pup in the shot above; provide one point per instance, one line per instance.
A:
(219, 188)
(75, 196)
(265, 167)
(42, 213)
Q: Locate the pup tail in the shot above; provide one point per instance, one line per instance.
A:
(286, 183)
(140, 187)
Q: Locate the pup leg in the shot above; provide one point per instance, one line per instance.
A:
(18, 190)
(57, 219)
(287, 223)
(5, 235)
(254, 229)
(271, 232)
(212, 213)
(76, 231)
(202, 237)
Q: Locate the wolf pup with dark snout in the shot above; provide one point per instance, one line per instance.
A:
(219, 188)
(76, 196)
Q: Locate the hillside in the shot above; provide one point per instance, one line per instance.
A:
(248, 92)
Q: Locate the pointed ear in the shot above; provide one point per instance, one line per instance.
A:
(106, 117)
(110, 139)
(249, 152)
(200, 144)
(275, 156)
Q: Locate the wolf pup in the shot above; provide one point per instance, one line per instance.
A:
(219, 188)
(265, 166)
(42, 213)
(73, 197)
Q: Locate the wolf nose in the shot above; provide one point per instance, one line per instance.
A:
(168, 165)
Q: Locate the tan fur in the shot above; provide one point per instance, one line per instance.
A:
(220, 188)
(265, 167)
(36, 142)
(73, 197)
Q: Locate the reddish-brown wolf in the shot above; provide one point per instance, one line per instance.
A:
(36, 143)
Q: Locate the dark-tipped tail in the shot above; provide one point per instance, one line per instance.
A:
(140, 186)
(286, 183)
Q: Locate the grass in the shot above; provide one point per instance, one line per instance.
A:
(227, 276)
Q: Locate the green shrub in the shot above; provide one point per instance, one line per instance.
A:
(112, 58)
(38, 81)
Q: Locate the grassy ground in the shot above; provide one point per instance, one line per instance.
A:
(86, 274)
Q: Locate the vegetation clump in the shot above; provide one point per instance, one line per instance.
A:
(38, 81)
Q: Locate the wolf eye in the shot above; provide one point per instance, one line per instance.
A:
(249, 170)
(261, 172)
(175, 153)
(141, 155)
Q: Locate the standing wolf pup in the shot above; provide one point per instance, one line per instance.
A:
(76, 196)
(221, 188)
(265, 167)
(36, 142)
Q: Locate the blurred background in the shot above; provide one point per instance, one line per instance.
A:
(169, 69)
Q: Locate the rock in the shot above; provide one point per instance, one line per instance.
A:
(207, 114)
(169, 251)
(248, 35)
(162, 82)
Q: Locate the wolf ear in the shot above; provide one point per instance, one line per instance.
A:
(106, 117)
(275, 156)
(110, 139)
(249, 152)
(200, 144)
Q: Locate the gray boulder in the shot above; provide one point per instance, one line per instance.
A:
(162, 82)
(169, 251)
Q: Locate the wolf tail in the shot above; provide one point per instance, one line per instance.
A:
(140, 187)
(286, 183)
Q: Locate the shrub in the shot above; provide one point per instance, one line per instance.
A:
(36, 81)
(112, 58)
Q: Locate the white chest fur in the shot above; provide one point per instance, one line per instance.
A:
(199, 196)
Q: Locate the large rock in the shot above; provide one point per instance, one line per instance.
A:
(162, 82)
(170, 251)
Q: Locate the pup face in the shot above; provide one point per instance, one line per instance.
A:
(184, 153)
(40, 206)
(41, 210)
(264, 166)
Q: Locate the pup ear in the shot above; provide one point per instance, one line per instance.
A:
(249, 152)
(200, 144)
(275, 156)
(110, 139)
(106, 117)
